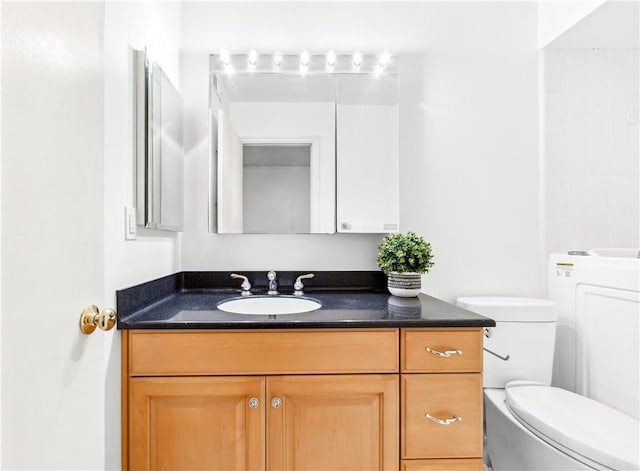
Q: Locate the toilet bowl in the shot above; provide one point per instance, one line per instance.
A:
(530, 425)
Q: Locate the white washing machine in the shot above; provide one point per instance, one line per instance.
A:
(598, 330)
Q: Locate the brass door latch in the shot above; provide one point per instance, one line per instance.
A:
(92, 317)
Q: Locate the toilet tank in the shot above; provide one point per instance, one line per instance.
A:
(522, 343)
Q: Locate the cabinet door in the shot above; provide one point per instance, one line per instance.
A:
(367, 154)
(344, 422)
(197, 423)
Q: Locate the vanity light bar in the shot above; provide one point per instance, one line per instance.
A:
(304, 62)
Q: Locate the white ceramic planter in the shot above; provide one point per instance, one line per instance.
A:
(405, 285)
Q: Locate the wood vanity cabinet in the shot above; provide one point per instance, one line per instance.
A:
(326, 399)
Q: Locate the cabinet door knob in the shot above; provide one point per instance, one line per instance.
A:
(448, 421)
(254, 402)
(445, 354)
(276, 402)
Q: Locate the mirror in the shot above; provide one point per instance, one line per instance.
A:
(275, 153)
(367, 146)
(291, 152)
(159, 151)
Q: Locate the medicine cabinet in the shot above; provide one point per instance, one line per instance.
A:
(367, 171)
(159, 151)
(310, 152)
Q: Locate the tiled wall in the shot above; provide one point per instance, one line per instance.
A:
(592, 157)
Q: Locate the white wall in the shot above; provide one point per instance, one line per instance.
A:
(155, 25)
(468, 142)
(557, 16)
(592, 100)
(474, 194)
(592, 155)
(612, 25)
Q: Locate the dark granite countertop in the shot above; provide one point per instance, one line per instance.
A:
(188, 300)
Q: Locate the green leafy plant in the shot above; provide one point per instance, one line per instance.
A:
(404, 253)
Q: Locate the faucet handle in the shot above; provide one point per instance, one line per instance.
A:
(246, 286)
(272, 286)
(298, 285)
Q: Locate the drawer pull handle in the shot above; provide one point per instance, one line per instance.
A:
(448, 421)
(445, 354)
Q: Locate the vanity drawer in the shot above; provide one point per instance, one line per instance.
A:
(188, 352)
(466, 464)
(443, 396)
(441, 350)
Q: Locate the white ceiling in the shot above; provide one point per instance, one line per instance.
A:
(400, 27)
(615, 24)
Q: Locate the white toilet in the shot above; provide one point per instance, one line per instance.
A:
(529, 424)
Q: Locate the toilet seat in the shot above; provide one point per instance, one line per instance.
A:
(581, 427)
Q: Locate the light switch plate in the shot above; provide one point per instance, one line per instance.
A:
(130, 223)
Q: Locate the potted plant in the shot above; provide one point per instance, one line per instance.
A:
(403, 258)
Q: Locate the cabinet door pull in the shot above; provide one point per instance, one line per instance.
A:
(276, 402)
(254, 402)
(445, 354)
(448, 421)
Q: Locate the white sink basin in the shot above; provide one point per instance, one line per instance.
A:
(265, 305)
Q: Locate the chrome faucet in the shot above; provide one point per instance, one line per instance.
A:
(246, 286)
(298, 286)
(273, 283)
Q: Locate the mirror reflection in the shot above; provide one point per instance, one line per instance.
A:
(159, 152)
(275, 153)
(277, 138)
(276, 194)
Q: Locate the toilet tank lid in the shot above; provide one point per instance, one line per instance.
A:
(510, 309)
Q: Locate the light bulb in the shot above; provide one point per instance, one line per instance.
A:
(357, 59)
(277, 60)
(304, 59)
(384, 58)
(331, 59)
(225, 57)
(252, 60)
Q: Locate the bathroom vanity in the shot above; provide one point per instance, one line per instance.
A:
(368, 381)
